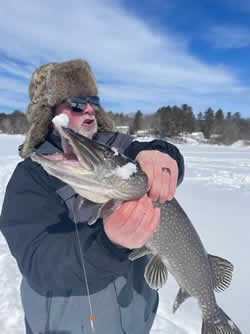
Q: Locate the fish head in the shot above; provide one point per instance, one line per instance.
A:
(94, 170)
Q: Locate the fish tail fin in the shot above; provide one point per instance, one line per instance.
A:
(220, 324)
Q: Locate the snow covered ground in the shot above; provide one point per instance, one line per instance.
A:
(216, 196)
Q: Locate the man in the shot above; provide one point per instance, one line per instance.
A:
(39, 213)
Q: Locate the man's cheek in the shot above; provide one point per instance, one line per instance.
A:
(75, 124)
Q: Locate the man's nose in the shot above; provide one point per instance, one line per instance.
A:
(89, 109)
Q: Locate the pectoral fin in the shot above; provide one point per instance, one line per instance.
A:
(222, 271)
(156, 272)
(139, 252)
(93, 197)
(105, 210)
(94, 219)
(182, 295)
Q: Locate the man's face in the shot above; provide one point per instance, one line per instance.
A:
(83, 122)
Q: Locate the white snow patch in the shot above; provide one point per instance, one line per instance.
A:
(114, 149)
(61, 120)
(125, 171)
(144, 139)
(241, 143)
(218, 210)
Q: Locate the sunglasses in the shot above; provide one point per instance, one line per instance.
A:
(79, 104)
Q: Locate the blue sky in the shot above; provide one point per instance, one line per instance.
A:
(144, 54)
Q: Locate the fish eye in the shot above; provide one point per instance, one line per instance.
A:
(108, 154)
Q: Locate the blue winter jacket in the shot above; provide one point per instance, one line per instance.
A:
(37, 222)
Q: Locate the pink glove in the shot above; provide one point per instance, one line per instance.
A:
(162, 172)
(132, 224)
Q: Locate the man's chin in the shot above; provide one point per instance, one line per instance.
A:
(88, 132)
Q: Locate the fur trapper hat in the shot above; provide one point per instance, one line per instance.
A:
(49, 85)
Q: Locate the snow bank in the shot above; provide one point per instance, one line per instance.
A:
(215, 194)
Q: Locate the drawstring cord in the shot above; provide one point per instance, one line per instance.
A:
(48, 309)
(84, 273)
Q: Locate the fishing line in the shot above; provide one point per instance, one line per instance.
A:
(84, 273)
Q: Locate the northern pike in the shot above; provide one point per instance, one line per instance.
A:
(102, 175)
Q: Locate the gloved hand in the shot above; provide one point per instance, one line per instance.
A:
(132, 224)
(162, 172)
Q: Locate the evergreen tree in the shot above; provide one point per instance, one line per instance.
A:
(208, 122)
(189, 119)
(199, 122)
(138, 121)
(15, 123)
(219, 121)
(164, 120)
(177, 121)
(236, 116)
(219, 116)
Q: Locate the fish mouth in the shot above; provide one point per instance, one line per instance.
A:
(78, 153)
(88, 167)
(85, 149)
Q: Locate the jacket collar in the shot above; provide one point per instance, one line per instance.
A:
(51, 145)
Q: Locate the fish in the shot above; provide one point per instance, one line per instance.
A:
(103, 175)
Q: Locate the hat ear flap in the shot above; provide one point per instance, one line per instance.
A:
(38, 129)
(38, 113)
(105, 123)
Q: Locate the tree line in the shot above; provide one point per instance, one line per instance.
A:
(14, 123)
(216, 126)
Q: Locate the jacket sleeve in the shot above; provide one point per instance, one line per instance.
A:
(135, 147)
(43, 239)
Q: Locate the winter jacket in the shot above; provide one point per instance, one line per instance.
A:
(38, 221)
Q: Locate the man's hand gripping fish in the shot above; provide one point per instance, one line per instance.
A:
(96, 172)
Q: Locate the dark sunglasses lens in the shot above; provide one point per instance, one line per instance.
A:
(94, 100)
(95, 107)
(79, 104)
(77, 109)
(77, 100)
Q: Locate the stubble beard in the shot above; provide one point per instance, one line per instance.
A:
(89, 133)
